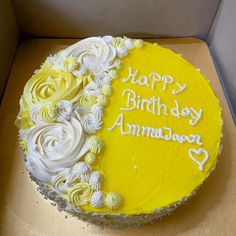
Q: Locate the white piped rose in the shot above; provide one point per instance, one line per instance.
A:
(54, 146)
(64, 110)
(91, 123)
(92, 53)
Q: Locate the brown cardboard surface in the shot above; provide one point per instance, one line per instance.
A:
(23, 211)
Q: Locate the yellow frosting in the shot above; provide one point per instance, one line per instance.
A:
(112, 200)
(95, 144)
(102, 100)
(118, 41)
(113, 73)
(106, 89)
(87, 77)
(80, 194)
(118, 64)
(138, 43)
(23, 120)
(69, 64)
(90, 158)
(151, 173)
(50, 86)
(86, 101)
(48, 112)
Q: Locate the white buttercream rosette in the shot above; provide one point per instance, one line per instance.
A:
(58, 145)
(53, 147)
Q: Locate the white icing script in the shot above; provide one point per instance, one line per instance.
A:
(201, 164)
(153, 79)
(164, 133)
(157, 106)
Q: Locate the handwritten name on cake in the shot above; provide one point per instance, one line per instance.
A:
(156, 106)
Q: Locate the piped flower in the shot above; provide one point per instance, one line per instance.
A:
(118, 64)
(66, 64)
(106, 89)
(91, 123)
(60, 183)
(102, 100)
(80, 194)
(48, 111)
(113, 73)
(23, 145)
(90, 158)
(113, 200)
(95, 144)
(97, 199)
(86, 101)
(81, 170)
(138, 43)
(23, 120)
(95, 180)
(64, 110)
(118, 42)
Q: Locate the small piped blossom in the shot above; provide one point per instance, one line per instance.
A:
(138, 43)
(82, 171)
(95, 180)
(95, 144)
(90, 158)
(97, 199)
(106, 89)
(102, 100)
(113, 200)
(113, 74)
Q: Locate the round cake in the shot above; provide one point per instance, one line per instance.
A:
(117, 131)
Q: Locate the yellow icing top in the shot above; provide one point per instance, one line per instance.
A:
(154, 173)
(120, 136)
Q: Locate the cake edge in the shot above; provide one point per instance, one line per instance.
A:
(116, 221)
(119, 221)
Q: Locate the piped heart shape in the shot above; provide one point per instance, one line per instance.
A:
(198, 152)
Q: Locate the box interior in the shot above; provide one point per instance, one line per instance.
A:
(31, 29)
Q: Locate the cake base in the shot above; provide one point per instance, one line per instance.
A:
(115, 221)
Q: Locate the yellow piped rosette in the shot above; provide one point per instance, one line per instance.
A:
(151, 127)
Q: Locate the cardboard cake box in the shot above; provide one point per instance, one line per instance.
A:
(23, 211)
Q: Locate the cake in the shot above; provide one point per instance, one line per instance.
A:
(117, 131)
